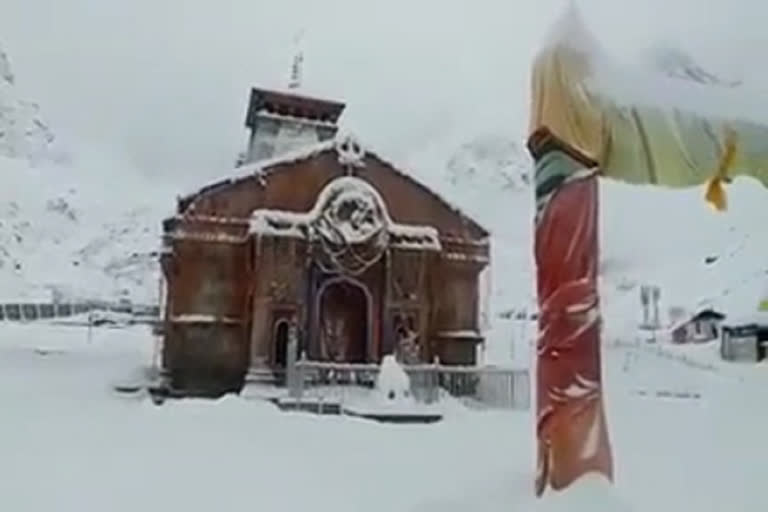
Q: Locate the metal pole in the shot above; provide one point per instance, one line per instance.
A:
(90, 327)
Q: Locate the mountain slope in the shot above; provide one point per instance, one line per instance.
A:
(23, 133)
(81, 233)
(678, 64)
(84, 227)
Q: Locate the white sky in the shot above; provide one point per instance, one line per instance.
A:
(165, 82)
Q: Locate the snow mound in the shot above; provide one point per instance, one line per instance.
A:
(392, 383)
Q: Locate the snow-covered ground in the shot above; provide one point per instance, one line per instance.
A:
(70, 444)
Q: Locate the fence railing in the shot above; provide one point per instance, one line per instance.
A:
(485, 386)
(32, 311)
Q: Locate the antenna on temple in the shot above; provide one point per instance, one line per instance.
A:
(298, 61)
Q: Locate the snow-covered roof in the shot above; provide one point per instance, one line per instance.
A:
(699, 313)
(259, 169)
(264, 168)
(291, 100)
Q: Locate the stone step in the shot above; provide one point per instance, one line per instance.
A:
(260, 376)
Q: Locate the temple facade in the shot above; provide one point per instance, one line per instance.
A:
(327, 240)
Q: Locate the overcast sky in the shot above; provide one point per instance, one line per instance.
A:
(165, 82)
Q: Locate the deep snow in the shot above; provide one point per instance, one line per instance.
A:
(69, 443)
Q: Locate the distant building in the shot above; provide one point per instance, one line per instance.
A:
(700, 328)
(745, 339)
(321, 234)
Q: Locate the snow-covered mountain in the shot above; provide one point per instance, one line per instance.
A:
(85, 227)
(23, 133)
(85, 230)
(504, 162)
(675, 63)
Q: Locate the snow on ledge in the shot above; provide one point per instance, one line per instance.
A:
(460, 334)
(303, 120)
(266, 222)
(202, 319)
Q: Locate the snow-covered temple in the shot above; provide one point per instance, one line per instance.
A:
(323, 238)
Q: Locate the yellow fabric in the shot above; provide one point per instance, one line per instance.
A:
(715, 193)
(640, 144)
(561, 103)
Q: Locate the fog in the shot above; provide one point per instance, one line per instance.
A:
(164, 83)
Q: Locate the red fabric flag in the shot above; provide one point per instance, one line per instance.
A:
(571, 425)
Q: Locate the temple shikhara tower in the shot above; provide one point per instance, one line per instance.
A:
(280, 122)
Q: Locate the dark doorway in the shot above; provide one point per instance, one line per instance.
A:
(281, 344)
(762, 340)
(343, 328)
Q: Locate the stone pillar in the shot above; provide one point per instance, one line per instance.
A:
(259, 371)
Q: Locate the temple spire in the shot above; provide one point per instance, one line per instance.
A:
(298, 61)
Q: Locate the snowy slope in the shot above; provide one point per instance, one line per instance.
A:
(677, 64)
(84, 225)
(80, 231)
(23, 133)
(673, 239)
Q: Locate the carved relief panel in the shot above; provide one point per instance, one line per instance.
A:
(283, 277)
(407, 273)
(407, 334)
